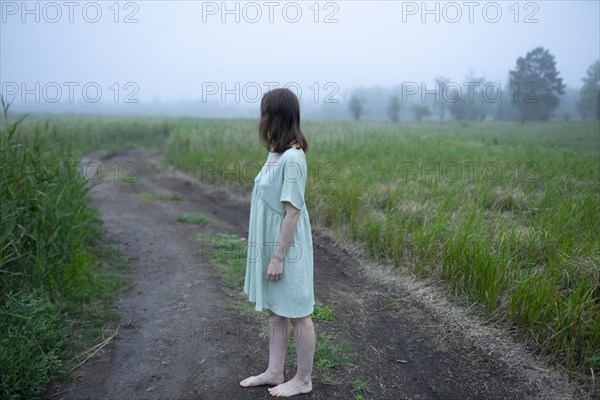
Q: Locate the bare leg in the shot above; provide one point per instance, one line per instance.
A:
(305, 349)
(278, 339)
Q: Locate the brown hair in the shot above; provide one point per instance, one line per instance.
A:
(279, 124)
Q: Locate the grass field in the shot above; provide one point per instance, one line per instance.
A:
(506, 215)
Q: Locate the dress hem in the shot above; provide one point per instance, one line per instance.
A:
(260, 309)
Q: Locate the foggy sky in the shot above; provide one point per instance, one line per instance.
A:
(177, 48)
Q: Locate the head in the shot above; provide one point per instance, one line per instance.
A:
(279, 124)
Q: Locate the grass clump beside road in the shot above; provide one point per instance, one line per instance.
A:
(194, 218)
(506, 214)
(158, 197)
(57, 276)
(228, 253)
(323, 312)
(361, 387)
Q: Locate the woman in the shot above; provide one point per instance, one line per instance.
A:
(279, 268)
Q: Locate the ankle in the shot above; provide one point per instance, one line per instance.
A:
(274, 372)
(304, 380)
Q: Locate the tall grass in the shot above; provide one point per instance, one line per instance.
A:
(51, 290)
(506, 214)
(46, 217)
(83, 134)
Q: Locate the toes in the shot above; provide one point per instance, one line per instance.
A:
(278, 393)
(248, 381)
(274, 391)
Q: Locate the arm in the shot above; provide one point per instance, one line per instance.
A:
(286, 237)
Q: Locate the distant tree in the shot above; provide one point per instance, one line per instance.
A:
(420, 111)
(463, 107)
(458, 107)
(484, 99)
(589, 95)
(535, 85)
(473, 101)
(441, 81)
(393, 108)
(505, 108)
(356, 107)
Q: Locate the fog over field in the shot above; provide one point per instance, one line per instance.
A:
(218, 58)
(450, 170)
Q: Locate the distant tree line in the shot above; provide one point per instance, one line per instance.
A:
(531, 93)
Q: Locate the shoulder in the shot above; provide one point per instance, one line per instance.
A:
(294, 165)
(293, 155)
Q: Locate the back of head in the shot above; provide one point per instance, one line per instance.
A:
(279, 124)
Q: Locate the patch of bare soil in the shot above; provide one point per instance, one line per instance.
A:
(180, 337)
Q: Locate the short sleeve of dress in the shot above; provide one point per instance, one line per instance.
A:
(294, 180)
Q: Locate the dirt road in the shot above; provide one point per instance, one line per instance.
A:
(180, 337)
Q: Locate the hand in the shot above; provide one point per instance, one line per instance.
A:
(275, 269)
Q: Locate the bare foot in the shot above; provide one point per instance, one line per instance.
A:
(291, 388)
(266, 378)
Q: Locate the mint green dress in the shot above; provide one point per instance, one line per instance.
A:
(282, 179)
